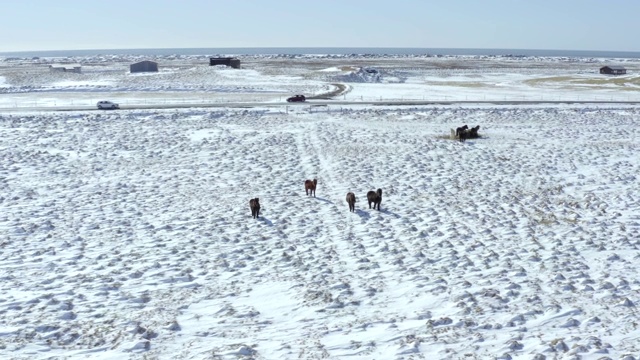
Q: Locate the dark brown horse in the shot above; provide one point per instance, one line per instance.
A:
(461, 132)
(254, 204)
(351, 200)
(310, 187)
(375, 198)
(473, 132)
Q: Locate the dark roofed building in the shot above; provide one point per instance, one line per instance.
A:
(144, 66)
(227, 61)
(613, 70)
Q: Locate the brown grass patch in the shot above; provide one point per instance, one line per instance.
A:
(465, 84)
(448, 137)
(348, 68)
(572, 80)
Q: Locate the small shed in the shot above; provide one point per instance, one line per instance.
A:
(227, 61)
(613, 70)
(144, 66)
(72, 68)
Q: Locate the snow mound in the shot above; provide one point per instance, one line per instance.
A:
(362, 75)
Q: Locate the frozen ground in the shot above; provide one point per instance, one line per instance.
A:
(128, 234)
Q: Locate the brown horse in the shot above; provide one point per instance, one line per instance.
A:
(310, 187)
(254, 204)
(375, 198)
(351, 200)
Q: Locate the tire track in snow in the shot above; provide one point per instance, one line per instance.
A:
(332, 223)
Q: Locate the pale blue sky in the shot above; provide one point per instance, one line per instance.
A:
(610, 25)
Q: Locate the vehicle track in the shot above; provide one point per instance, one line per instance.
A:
(340, 89)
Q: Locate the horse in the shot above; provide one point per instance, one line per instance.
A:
(351, 200)
(254, 204)
(460, 132)
(473, 132)
(375, 198)
(310, 187)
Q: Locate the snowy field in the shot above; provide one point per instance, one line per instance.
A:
(127, 234)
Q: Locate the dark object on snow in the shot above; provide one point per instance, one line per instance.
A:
(310, 187)
(462, 133)
(144, 66)
(254, 204)
(227, 61)
(351, 200)
(297, 98)
(613, 70)
(375, 198)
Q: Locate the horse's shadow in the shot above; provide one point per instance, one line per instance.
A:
(324, 200)
(385, 211)
(367, 214)
(265, 220)
(363, 214)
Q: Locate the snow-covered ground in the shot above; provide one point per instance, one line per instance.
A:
(127, 234)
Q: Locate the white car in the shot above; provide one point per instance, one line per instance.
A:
(107, 105)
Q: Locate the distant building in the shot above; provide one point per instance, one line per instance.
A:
(613, 70)
(228, 61)
(73, 68)
(144, 66)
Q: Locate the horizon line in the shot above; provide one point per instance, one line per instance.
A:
(315, 47)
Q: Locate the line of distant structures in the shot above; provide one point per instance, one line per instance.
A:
(146, 65)
(152, 66)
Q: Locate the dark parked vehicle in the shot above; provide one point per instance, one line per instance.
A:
(297, 98)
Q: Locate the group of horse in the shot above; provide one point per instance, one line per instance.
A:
(373, 197)
(464, 132)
